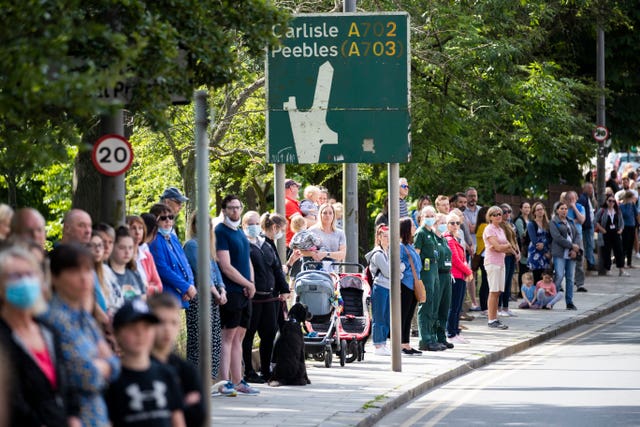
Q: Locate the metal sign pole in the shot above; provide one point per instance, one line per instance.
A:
(113, 204)
(394, 259)
(278, 195)
(204, 252)
(350, 189)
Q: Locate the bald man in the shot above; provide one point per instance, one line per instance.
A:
(76, 227)
(29, 224)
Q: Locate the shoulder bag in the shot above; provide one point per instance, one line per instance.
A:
(418, 287)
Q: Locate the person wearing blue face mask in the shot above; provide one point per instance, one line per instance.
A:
(171, 261)
(445, 282)
(426, 246)
(270, 283)
(273, 228)
(37, 388)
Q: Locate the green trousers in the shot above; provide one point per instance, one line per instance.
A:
(444, 303)
(427, 312)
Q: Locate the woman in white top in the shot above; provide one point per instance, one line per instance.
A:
(334, 242)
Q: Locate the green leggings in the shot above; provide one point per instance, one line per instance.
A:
(427, 312)
(444, 303)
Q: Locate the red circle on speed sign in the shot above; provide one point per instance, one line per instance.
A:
(112, 155)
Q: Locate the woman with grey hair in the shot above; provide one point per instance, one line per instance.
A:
(37, 391)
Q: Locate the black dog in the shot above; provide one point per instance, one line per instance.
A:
(288, 350)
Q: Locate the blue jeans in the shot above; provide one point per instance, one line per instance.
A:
(543, 299)
(380, 311)
(564, 269)
(509, 269)
(587, 240)
(458, 290)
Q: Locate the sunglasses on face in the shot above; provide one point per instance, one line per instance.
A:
(454, 222)
(165, 217)
(404, 186)
(506, 212)
(611, 201)
(497, 214)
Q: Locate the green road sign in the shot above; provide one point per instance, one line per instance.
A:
(338, 89)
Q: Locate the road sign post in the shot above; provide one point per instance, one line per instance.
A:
(338, 89)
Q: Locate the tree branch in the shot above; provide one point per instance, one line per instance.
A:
(177, 154)
(232, 109)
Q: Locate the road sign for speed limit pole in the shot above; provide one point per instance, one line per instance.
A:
(112, 155)
(600, 133)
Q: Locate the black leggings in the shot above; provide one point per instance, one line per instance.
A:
(612, 242)
(628, 237)
(408, 307)
(264, 321)
(484, 287)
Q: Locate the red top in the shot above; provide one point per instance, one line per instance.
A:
(46, 365)
(153, 278)
(291, 207)
(459, 267)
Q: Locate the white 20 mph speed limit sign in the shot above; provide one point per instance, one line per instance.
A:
(112, 155)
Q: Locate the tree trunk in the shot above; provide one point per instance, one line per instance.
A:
(87, 181)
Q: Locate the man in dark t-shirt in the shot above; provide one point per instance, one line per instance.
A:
(232, 248)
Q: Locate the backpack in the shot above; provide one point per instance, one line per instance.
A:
(367, 271)
(523, 240)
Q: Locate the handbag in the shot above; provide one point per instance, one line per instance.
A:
(418, 287)
(476, 261)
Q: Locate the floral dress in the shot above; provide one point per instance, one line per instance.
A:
(536, 259)
(79, 336)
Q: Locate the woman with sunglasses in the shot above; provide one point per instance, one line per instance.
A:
(461, 273)
(171, 261)
(609, 226)
(496, 248)
(510, 261)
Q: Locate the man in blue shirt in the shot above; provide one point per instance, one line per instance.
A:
(587, 225)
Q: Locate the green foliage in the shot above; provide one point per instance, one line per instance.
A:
(55, 180)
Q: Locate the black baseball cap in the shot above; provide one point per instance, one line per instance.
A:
(133, 311)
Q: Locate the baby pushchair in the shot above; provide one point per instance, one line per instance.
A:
(355, 317)
(317, 289)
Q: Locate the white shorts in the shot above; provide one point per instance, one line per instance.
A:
(495, 277)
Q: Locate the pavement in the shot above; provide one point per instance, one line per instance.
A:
(360, 393)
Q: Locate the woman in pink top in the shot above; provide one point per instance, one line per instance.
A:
(496, 247)
(461, 273)
(144, 259)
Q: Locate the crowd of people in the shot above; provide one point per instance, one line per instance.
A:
(455, 243)
(90, 327)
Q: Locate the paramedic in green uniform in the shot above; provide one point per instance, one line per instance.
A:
(443, 289)
(426, 245)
